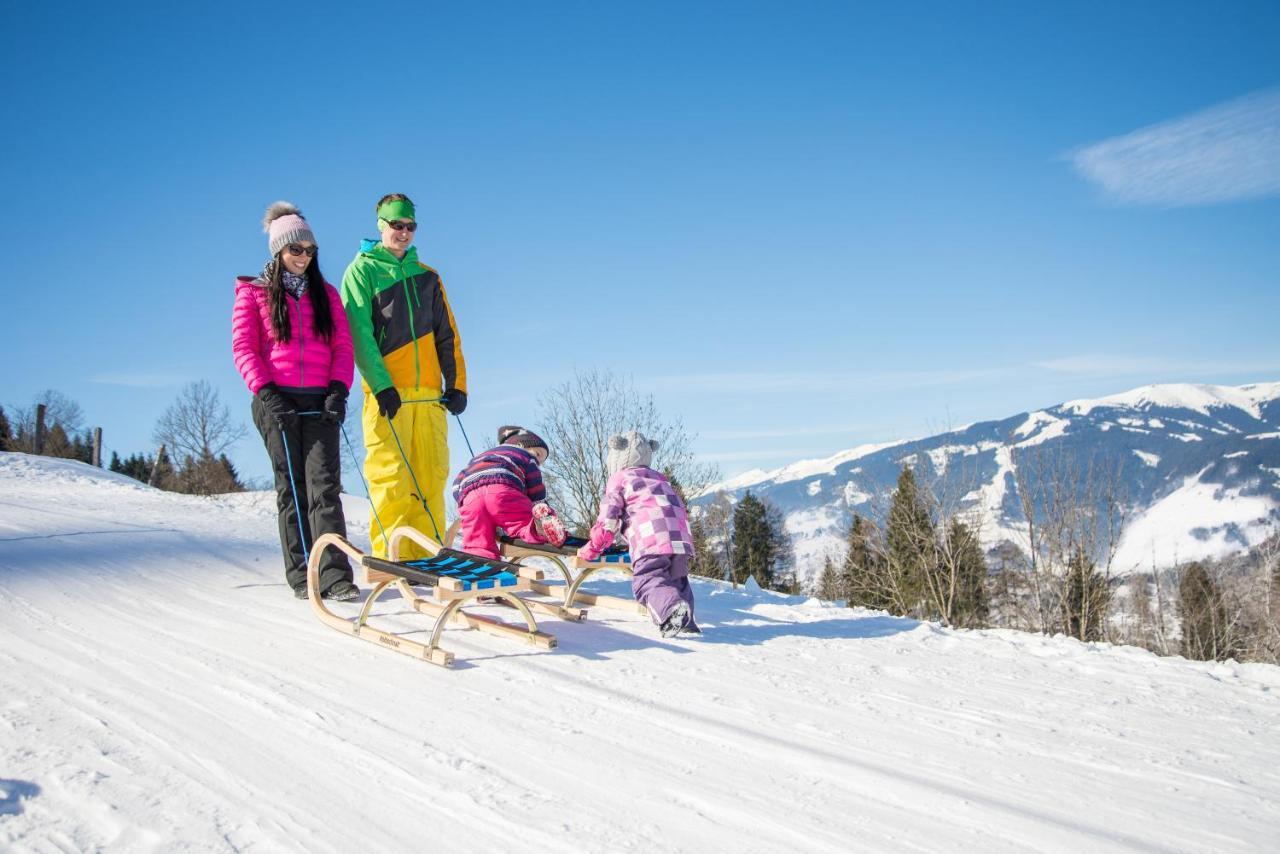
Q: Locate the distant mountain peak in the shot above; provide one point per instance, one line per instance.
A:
(1200, 466)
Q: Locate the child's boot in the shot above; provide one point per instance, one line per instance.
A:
(676, 621)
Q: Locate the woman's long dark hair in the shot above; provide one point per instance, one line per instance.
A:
(280, 305)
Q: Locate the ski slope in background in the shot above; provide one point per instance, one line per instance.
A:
(161, 690)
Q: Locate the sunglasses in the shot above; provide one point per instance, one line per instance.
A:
(401, 225)
(295, 249)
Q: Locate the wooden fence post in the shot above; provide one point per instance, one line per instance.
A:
(39, 446)
(97, 446)
(155, 469)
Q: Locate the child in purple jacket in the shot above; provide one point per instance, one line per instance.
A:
(502, 488)
(641, 505)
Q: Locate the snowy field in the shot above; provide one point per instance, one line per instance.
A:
(161, 690)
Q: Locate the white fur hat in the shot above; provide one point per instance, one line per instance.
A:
(629, 450)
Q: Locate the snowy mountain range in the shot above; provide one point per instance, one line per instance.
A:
(161, 690)
(1199, 472)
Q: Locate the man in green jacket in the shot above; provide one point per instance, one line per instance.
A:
(410, 358)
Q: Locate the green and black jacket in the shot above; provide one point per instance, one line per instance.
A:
(402, 327)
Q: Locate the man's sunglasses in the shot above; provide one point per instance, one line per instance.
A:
(295, 249)
(401, 225)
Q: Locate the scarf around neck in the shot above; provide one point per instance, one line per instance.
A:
(295, 285)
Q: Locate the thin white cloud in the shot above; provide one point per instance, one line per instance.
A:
(1227, 152)
(773, 433)
(758, 454)
(1127, 365)
(141, 380)
(760, 382)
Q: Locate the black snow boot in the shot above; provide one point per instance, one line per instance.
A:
(341, 591)
(676, 621)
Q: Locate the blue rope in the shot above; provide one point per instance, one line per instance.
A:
(458, 418)
(418, 494)
(297, 508)
(365, 483)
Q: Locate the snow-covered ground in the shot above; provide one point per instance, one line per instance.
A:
(161, 690)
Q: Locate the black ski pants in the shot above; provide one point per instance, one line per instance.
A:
(316, 463)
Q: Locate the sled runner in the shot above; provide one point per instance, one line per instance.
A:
(456, 580)
(566, 560)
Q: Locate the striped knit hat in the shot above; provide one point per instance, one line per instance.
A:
(284, 225)
(512, 435)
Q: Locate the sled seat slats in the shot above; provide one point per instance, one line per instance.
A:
(569, 549)
(465, 571)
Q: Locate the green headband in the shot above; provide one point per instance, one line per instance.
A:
(396, 209)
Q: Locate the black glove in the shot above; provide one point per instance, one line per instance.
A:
(335, 403)
(455, 400)
(388, 402)
(278, 406)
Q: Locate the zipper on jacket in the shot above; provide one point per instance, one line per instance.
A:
(297, 330)
(413, 327)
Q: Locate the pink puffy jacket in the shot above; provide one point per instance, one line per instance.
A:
(306, 361)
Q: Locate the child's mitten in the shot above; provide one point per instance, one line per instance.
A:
(549, 524)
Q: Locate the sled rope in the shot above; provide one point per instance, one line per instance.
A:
(297, 508)
(418, 493)
(359, 470)
(458, 418)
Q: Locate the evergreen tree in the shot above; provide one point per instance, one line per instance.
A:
(912, 546)
(969, 606)
(862, 575)
(165, 475)
(6, 432)
(207, 475)
(1085, 600)
(58, 444)
(136, 466)
(755, 545)
(706, 559)
(232, 476)
(783, 554)
(829, 585)
(1203, 616)
(82, 447)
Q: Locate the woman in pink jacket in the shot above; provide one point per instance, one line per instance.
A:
(291, 344)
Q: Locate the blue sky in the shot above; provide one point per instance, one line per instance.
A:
(801, 226)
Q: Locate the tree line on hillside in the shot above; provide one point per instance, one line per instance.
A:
(924, 559)
(192, 435)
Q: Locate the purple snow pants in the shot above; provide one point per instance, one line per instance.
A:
(659, 582)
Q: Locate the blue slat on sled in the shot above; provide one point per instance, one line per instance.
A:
(611, 555)
(472, 572)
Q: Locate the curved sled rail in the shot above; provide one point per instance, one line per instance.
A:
(566, 560)
(451, 595)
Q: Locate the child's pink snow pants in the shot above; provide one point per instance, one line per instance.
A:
(487, 508)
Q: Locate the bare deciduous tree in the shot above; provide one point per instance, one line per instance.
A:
(60, 412)
(198, 424)
(1073, 511)
(577, 418)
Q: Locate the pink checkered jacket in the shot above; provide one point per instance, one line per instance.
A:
(641, 504)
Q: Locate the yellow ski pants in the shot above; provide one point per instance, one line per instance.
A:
(424, 435)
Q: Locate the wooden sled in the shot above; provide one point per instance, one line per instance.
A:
(566, 560)
(456, 580)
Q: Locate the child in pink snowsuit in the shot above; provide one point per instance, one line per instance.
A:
(502, 489)
(641, 504)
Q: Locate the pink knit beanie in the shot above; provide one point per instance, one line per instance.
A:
(284, 225)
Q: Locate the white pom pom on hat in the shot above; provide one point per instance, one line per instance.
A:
(284, 224)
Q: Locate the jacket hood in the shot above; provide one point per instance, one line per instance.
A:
(250, 282)
(375, 251)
